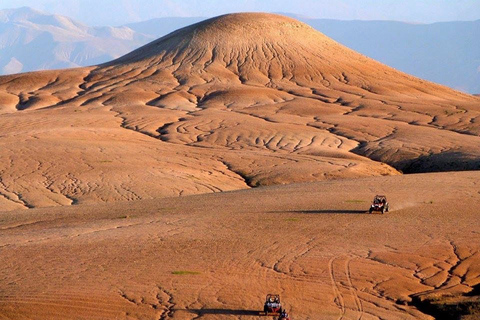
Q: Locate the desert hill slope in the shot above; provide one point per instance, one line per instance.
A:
(215, 256)
(232, 102)
(444, 52)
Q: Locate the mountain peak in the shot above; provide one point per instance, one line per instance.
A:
(252, 30)
(248, 40)
(250, 25)
(18, 14)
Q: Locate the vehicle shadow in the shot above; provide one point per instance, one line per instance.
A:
(229, 312)
(325, 211)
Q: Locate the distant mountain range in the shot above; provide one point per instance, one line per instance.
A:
(31, 40)
(447, 53)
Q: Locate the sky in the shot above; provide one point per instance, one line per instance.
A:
(118, 12)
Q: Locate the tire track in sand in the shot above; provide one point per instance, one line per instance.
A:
(336, 291)
(353, 290)
(346, 297)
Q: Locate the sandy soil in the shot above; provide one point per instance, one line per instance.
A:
(312, 243)
(141, 178)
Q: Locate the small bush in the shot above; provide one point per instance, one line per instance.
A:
(185, 272)
(292, 219)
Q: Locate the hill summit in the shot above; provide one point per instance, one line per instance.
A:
(238, 35)
(258, 46)
(262, 49)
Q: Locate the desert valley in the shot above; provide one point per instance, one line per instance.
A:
(231, 159)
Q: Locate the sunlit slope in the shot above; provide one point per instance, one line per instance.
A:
(232, 102)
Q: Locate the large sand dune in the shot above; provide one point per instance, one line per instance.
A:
(101, 154)
(236, 101)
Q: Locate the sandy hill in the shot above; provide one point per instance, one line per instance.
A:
(433, 52)
(444, 52)
(232, 102)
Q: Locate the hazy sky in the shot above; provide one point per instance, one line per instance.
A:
(117, 12)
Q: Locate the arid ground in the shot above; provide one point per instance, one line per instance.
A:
(230, 159)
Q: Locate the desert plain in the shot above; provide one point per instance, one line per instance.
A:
(230, 159)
